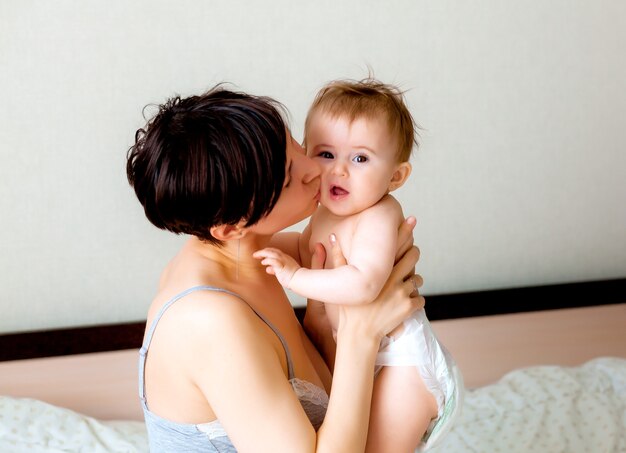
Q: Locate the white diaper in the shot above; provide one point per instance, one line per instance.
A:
(418, 346)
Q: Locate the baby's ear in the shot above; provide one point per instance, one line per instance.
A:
(400, 175)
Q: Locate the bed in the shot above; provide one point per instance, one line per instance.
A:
(548, 381)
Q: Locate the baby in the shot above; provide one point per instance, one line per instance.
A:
(362, 134)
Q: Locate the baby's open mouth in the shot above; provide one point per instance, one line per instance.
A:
(338, 191)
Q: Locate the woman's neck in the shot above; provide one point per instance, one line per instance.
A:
(234, 257)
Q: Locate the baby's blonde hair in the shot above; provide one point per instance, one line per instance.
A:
(368, 98)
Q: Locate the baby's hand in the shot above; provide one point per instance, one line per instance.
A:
(278, 263)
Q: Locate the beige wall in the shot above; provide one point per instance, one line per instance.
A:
(520, 179)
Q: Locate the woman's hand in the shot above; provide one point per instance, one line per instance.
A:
(405, 242)
(405, 237)
(316, 323)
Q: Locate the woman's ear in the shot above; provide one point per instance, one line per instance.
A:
(229, 232)
(400, 175)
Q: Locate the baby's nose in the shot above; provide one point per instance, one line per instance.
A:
(339, 168)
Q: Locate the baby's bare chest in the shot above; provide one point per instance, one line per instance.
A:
(343, 229)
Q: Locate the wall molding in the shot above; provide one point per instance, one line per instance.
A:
(80, 340)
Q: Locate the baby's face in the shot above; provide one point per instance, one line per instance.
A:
(358, 161)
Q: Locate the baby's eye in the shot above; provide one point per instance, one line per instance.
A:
(325, 155)
(360, 159)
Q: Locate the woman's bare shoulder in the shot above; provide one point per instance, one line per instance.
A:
(221, 311)
(205, 325)
(202, 318)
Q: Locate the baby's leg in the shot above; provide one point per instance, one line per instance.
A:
(402, 409)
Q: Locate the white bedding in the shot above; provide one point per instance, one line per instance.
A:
(545, 409)
(28, 425)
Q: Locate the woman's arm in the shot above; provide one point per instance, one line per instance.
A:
(239, 366)
(250, 394)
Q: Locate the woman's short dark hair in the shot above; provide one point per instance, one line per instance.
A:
(208, 160)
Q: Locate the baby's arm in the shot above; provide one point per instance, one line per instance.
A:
(360, 281)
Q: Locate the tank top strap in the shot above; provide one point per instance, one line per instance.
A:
(143, 352)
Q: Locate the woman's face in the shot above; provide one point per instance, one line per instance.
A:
(300, 194)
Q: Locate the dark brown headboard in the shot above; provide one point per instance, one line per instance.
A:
(112, 337)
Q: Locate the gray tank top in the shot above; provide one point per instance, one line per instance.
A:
(168, 436)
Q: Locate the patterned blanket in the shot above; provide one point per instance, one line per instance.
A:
(545, 409)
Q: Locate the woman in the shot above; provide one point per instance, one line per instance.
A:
(225, 365)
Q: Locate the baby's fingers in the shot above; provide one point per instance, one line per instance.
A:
(270, 270)
(272, 262)
(266, 253)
